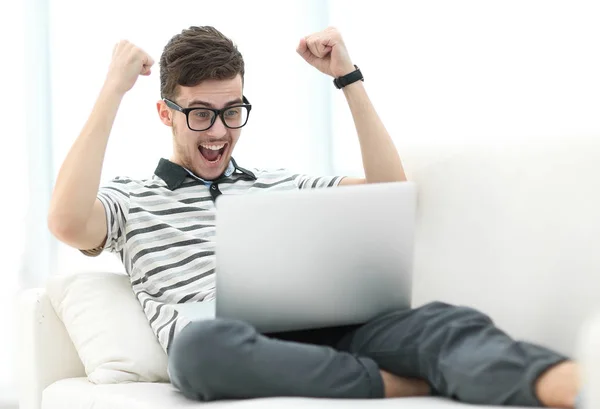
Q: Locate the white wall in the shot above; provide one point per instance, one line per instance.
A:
(471, 72)
(14, 192)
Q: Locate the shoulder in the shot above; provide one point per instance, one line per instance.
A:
(275, 176)
(132, 183)
(270, 173)
(128, 187)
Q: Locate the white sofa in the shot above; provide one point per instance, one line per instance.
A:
(513, 230)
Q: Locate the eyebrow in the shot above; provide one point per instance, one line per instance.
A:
(197, 102)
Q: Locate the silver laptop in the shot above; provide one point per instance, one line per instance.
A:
(313, 258)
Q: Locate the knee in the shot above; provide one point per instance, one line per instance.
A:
(468, 314)
(459, 315)
(203, 352)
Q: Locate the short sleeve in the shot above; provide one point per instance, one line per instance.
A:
(314, 182)
(114, 196)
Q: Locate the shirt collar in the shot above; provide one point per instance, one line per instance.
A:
(174, 174)
(228, 172)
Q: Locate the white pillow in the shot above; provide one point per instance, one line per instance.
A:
(108, 328)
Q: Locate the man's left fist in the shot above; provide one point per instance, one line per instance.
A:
(326, 52)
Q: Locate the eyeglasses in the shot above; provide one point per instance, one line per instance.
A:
(201, 119)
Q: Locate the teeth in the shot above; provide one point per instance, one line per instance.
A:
(213, 147)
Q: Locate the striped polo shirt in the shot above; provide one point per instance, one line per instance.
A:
(163, 231)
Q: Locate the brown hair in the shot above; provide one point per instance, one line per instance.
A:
(195, 55)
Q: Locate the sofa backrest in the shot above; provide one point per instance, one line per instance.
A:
(46, 352)
(513, 230)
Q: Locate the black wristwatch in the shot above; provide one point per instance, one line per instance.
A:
(341, 82)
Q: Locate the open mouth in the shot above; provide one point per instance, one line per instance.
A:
(212, 153)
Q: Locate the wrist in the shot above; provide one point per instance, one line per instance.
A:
(345, 80)
(112, 89)
(345, 70)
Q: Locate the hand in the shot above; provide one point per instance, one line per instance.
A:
(128, 62)
(326, 52)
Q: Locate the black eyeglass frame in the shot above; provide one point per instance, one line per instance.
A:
(217, 112)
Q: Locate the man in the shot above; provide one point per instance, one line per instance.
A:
(162, 229)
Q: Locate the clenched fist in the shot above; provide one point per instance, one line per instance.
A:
(128, 62)
(326, 52)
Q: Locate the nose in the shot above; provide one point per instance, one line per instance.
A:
(218, 129)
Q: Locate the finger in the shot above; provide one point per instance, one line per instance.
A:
(305, 52)
(124, 46)
(149, 61)
(312, 44)
(324, 46)
(147, 64)
(318, 47)
(146, 67)
(119, 48)
(302, 47)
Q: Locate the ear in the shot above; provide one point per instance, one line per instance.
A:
(164, 113)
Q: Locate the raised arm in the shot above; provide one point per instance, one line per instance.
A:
(327, 52)
(76, 216)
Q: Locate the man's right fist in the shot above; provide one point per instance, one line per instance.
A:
(128, 62)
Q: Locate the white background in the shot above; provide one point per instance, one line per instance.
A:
(440, 73)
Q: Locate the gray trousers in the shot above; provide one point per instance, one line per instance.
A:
(457, 350)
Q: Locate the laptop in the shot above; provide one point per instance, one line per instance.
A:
(306, 259)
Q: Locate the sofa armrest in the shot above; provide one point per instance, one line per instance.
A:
(589, 354)
(46, 351)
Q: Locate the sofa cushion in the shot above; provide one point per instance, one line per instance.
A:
(589, 356)
(108, 328)
(78, 393)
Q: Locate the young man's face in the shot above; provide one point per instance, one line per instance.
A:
(206, 153)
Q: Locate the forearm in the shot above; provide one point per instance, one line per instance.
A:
(380, 157)
(78, 180)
